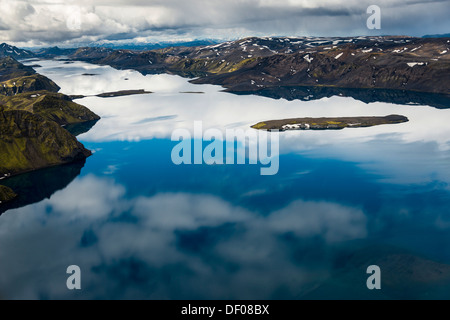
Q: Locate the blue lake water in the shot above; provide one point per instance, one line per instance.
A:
(142, 227)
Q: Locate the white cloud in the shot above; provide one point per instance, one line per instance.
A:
(39, 22)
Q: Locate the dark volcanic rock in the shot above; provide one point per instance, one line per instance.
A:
(418, 65)
(252, 64)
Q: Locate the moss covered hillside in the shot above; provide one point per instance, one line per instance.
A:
(32, 116)
(50, 106)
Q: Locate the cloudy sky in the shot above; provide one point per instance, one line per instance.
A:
(75, 22)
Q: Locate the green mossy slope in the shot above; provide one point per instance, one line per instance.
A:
(11, 68)
(35, 82)
(29, 142)
(50, 106)
(32, 116)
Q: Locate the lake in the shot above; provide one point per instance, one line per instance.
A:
(141, 227)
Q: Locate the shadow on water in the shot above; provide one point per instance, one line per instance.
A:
(440, 101)
(80, 128)
(404, 275)
(38, 185)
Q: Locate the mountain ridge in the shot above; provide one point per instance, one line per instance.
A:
(251, 64)
(12, 51)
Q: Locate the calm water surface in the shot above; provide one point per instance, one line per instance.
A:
(141, 227)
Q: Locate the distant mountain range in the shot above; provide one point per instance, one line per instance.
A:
(53, 52)
(156, 45)
(447, 35)
(10, 51)
(256, 64)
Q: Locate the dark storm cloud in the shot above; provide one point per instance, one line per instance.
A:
(39, 22)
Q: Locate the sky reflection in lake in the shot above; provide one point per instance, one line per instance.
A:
(413, 152)
(141, 227)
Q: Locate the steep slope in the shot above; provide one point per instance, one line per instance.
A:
(29, 142)
(17, 78)
(31, 123)
(10, 68)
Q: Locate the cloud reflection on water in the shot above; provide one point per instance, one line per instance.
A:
(176, 243)
(216, 248)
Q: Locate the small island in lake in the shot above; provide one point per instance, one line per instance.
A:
(120, 93)
(328, 123)
(193, 92)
